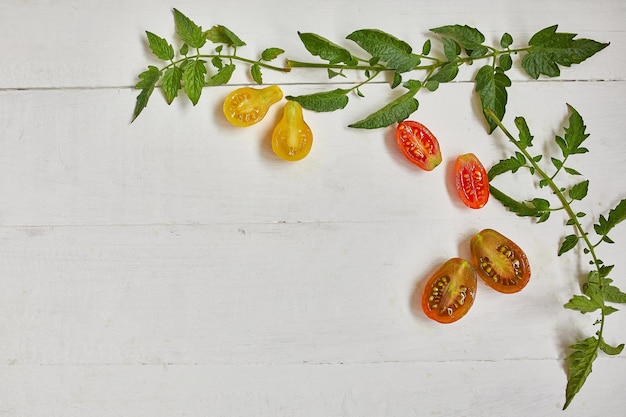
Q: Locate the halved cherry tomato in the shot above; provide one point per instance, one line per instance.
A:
(450, 292)
(499, 261)
(292, 138)
(246, 106)
(418, 144)
(472, 182)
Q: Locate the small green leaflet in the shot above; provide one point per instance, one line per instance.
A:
(491, 87)
(326, 101)
(537, 207)
(193, 79)
(574, 136)
(255, 73)
(271, 53)
(615, 216)
(160, 47)
(548, 49)
(468, 37)
(579, 191)
(395, 52)
(190, 33)
(325, 49)
(172, 83)
(525, 137)
(222, 76)
(394, 112)
(580, 361)
(221, 34)
(446, 73)
(148, 80)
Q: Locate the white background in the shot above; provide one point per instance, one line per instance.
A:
(175, 267)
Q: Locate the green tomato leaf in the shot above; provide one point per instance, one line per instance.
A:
(520, 208)
(394, 112)
(491, 87)
(222, 76)
(395, 52)
(325, 49)
(255, 73)
(612, 294)
(446, 73)
(451, 49)
(579, 191)
(190, 33)
(221, 34)
(549, 49)
(468, 37)
(506, 165)
(505, 62)
(582, 304)
(326, 101)
(568, 244)
(147, 82)
(194, 72)
(172, 83)
(160, 47)
(426, 47)
(506, 40)
(525, 137)
(270, 54)
(574, 136)
(611, 350)
(580, 361)
(615, 216)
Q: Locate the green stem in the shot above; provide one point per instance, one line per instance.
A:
(234, 57)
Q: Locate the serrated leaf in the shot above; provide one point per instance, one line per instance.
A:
(394, 112)
(548, 49)
(395, 52)
(491, 87)
(222, 76)
(468, 37)
(160, 47)
(522, 209)
(512, 164)
(575, 134)
(451, 49)
(506, 40)
(325, 101)
(194, 72)
(615, 216)
(446, 73)
(172, 83)
(611, 350)
(221, 34)
(147, 82)
(190, 33)
(525, 137)
(568, 244)
(582, 304)
(217, 62)
(325, 49)
(579, 191)
(270, 54)
(580, 366)
(612, 294)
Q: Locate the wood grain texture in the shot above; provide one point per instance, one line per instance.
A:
(175, 267)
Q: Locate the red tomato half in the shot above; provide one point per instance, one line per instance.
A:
(418, 144)
(472, 182)
(450, 291)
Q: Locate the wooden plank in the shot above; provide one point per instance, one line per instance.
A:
(438, 388)
(96, 44)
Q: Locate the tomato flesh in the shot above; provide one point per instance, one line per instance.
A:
(418, 144)
(499, 261)
(246, 106)
(471, 180)
(292, 138)
(450, 291)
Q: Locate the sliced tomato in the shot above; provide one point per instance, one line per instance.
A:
(246, 106)
(450, 291)
(418, 144)
(499, 261)
(292, 137)
(472, 182)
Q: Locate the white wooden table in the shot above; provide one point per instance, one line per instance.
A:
(175, 267)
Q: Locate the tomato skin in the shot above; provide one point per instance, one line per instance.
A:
(292, 137)
(471, 180)
(418, 144)
(450, 291)
(499, 261)
(246, 106)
